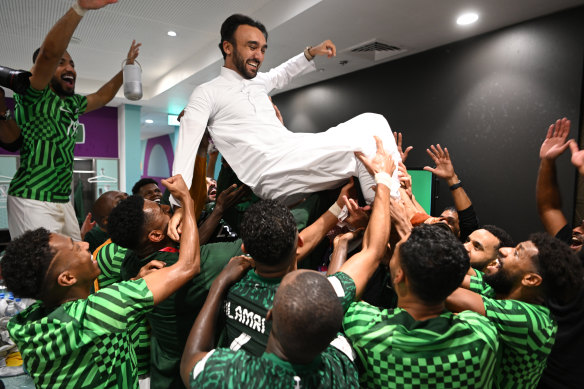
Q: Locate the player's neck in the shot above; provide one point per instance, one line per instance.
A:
(420, 310)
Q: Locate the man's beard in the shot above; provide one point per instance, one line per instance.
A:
(240, 65)
(500, 281)
(58, 88)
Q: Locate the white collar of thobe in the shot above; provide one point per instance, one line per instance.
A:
(231, 74)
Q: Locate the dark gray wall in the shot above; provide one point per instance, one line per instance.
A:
(488, 99)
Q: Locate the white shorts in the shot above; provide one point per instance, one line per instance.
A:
(27, 214)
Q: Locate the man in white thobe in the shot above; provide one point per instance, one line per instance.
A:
(273, 161)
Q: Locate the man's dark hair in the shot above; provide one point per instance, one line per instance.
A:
(26, 261)
(127, 221)
(505, 240)
(35, 55)
(230, 25)
(268, 231)
(434, 262)
(451, 209)
(559, 267)
(307, 313)
(144, 181)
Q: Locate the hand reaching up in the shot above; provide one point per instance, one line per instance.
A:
(555, 142)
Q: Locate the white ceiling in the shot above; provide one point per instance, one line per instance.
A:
(172, 67)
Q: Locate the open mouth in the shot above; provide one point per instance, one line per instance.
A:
(576, 241)
(212, 192)
(69, 80)
(253, 65)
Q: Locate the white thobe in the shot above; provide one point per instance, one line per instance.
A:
(273, 161)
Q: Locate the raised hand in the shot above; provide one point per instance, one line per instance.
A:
(381, 161)
(234, 270)
(441, 158)
(87, 225)
(398, 140)
(405, 179)
(555, 141)
(177, 187)
(358, 216)
(577, 156)
(133, 52)
(327, 48)
(94, 4)
(231, 196)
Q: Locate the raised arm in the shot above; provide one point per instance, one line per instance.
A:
(445, 170)
(463, 299)
(226, 199)
(108, 91)
(315, 232)
(361, 266)
(202, 336)
(341, 250)
(547, 191)
(57, 40)
(193, 123)
(577, 157)
(166, 281)
(300, 64)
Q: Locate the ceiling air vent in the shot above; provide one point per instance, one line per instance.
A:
(375, 50)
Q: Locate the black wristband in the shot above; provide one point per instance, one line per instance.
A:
(456, 186)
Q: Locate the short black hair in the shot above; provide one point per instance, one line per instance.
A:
(434, 261)
(451, 209)
(144, 181)
(505, 240)
(268, 232)
(559, 267)
(126, 223)
(26, 261)
(230, 25)
(295, 305)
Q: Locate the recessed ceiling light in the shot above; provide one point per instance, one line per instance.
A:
(467, 18)
(149, 121)
(171, 33)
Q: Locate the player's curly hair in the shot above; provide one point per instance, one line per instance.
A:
(126, 223)
(434, 261)
(559, 267)
(25, 263)
(268, 231)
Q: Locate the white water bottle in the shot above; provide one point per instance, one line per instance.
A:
(132, 80)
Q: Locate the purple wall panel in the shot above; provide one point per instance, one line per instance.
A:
(101, 133)
(166, 144)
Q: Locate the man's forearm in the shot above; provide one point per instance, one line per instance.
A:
(547, 192)
(58, 38)
(314, 233)
(164, 282)
(202, 335)
(52, 49)
(459, 196)
(106, 93)
(377, 232)
(210, 225)
(189, 240)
